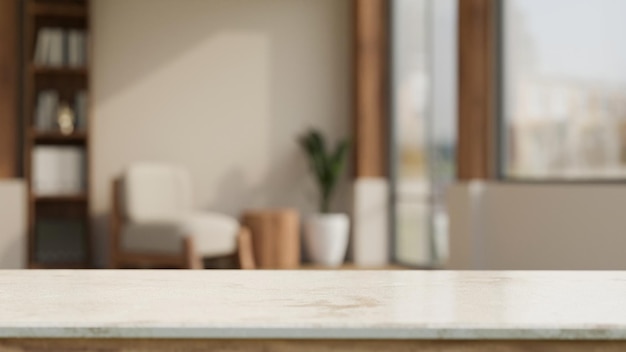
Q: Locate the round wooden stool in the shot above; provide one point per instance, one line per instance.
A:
(275, 237)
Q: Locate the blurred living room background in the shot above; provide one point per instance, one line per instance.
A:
(312, 134)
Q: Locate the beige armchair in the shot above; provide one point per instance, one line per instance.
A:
(153, 223)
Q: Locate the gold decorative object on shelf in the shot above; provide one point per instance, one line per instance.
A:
(66, 119)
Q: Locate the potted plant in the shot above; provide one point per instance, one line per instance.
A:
(326, 233)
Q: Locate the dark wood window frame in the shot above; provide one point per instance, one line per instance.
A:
(477, 125)
(371, 112)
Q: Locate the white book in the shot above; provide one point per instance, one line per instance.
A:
(57, 48)
(38, 164)
(58, 170)
(71, 164)
(84, 48)
(51, 107)
(82, 170)
(72, 52)
(76, 156)
(80, 109)
(46, 103)
(64, 45)
(40, 121)
(51, 110)
(45, 112)
(42, 46)
(74, 48)
(46, 170)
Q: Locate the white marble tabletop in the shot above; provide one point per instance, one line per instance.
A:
(313, 304)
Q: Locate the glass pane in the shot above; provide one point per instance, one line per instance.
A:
(565, 89)
(411, 83)
(424, 114)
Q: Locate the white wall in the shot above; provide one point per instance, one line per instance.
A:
(548, 227)
(222, 87)
(13, 235)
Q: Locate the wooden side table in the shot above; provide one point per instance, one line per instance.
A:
(275, 237)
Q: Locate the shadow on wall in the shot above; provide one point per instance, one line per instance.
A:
(222, 87)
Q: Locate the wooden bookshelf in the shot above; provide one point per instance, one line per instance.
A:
(9, 94)
(63, 71)
(57, 9)
(59, 265)
(78, 198)
(66, 81)
(54, 138)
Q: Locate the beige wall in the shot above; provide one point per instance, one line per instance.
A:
(222, 87)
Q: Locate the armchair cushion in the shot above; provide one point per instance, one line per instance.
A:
(213, 234)
(156, 193)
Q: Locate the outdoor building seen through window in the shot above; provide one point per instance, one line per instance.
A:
(564, 89)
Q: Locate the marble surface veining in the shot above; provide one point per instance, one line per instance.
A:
(313, 304)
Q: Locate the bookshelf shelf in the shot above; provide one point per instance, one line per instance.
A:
(47, 70)
(58, 138)
(67, 265)
(78, 198)
(64, 10)
(46, 23)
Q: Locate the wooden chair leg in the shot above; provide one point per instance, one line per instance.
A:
(191, 259)
(244, 249)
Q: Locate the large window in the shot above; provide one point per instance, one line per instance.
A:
(424, 61)
(564, 89)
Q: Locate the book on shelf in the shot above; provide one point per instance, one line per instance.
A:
(76, 48)
(49, 47)
(42, 46)
(46, 110)
(58, 47)
(80, 110)
(60, 240)
(58, 170)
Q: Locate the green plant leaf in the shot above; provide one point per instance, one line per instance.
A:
(327, 168)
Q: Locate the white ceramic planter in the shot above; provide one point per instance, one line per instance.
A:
(326, 238)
